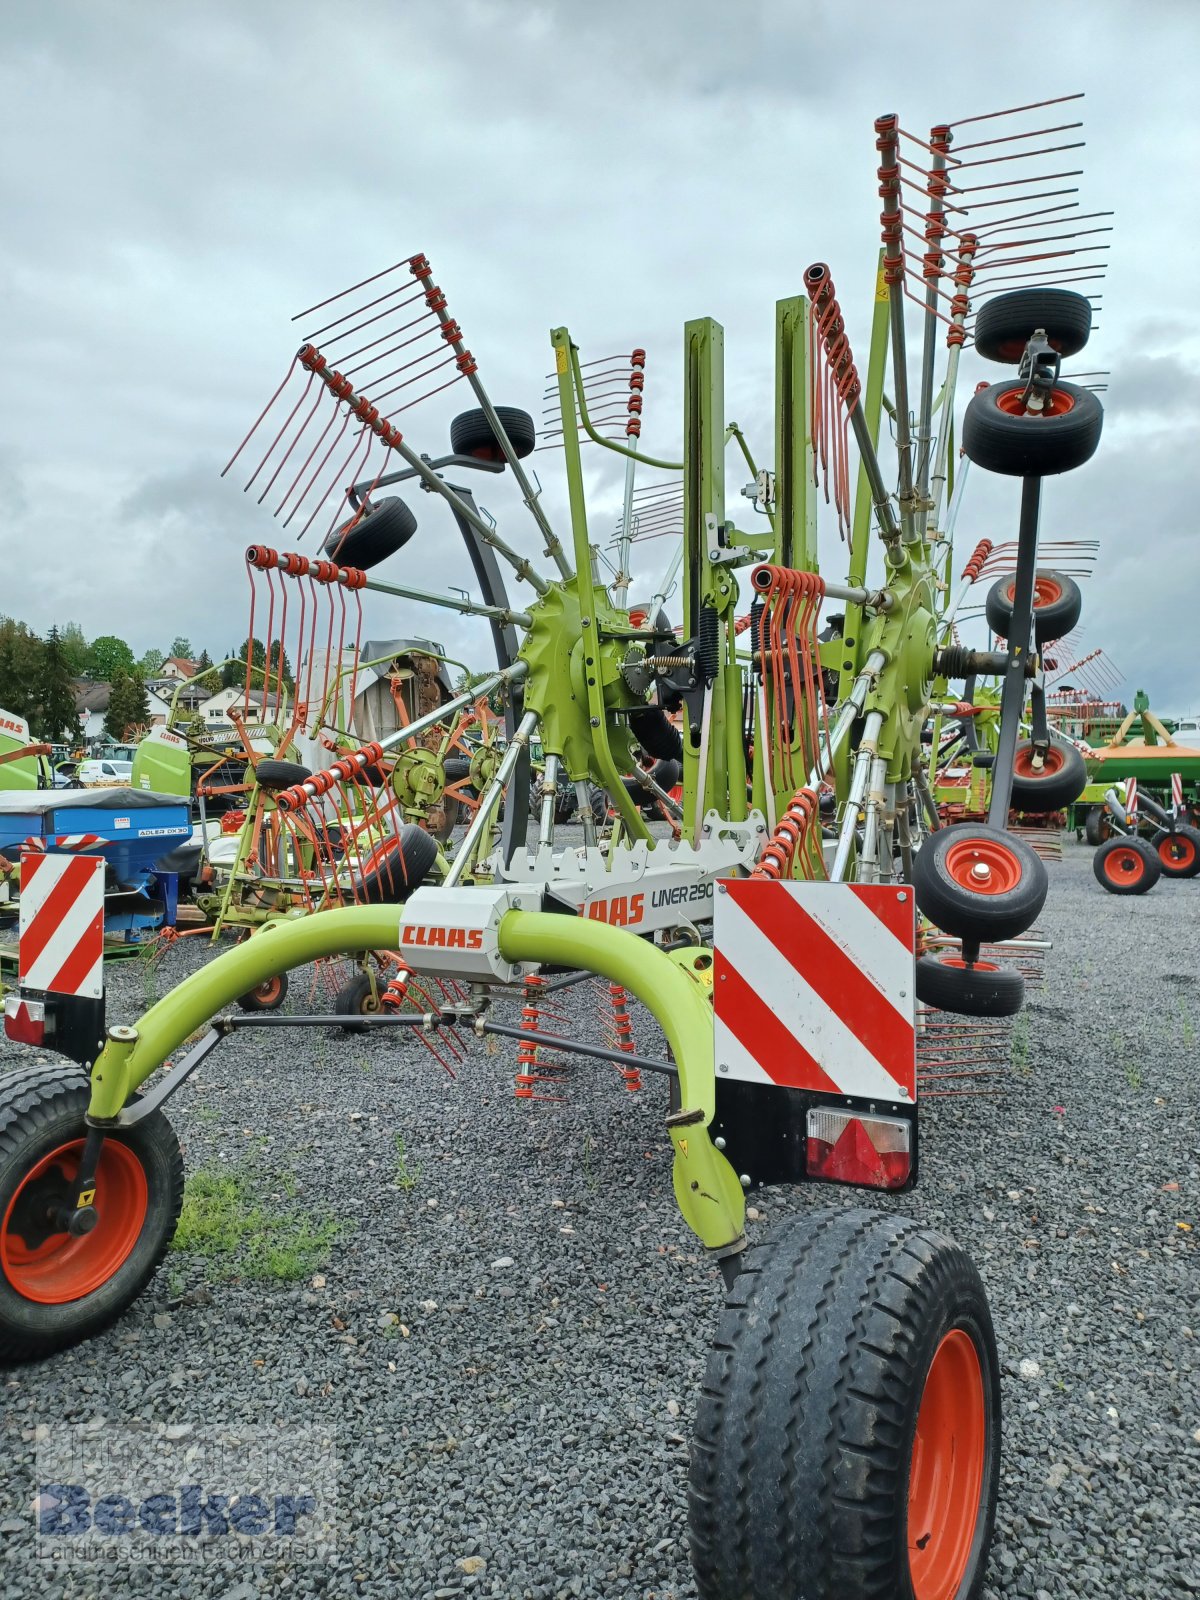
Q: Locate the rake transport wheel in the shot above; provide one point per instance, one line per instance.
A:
(1096, 826)
(1006, 324)
(1062, 779)
(999, 435)
(57, 1288)
(1057, 605)
(358, 998)
(847, 1441)
(384, 527)
(1127, 865)
(969, 988)
(978, 883)
(273, 775)
(1178, 852)
(268, 995)
(471, 434)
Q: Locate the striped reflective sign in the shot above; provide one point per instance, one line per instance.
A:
(814, 986)
(61, 929)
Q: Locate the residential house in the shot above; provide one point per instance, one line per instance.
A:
(91, 705)
(177, 668)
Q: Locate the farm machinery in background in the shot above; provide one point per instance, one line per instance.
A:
(776, 941)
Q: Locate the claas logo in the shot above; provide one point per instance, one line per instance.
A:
(441, 938)
(620, 912)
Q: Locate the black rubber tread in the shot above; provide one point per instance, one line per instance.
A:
(275, 775)
(471, 433)
(798, 1488)
(656, 733)
(1170, 869)
(667, 774)
(457, 768)
(41, 1108)
(963, 912)
(1050, 622)
(1096, 826)
(350, 998)
(1056, 790)
(1031, 445)
(1005, 324)
(251, 1001)
(1144, 848)
(405, 864)
(384, 527)
(970, 991)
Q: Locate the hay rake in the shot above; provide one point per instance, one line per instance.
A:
(780, 964)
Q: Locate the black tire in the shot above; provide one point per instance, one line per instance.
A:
(1096, 826)
(1031, 445)
(667, 774)
(656, 733)
(1178, 852)
(1126, 865)
(398, 866)
(41, 1110)
(457, 768)
(1061, 781)
(471, 434)
(357, 999)
(384, 527)
(268, 995)
(1000, 903)
(276, 775)
(979, 990)
(804, 1441)
(1057, 605)
(1005, 325)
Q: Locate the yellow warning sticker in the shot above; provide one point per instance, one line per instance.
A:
(560, 358)
(881, 288)
(683, 1147)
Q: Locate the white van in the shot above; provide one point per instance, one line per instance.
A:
(97, 774)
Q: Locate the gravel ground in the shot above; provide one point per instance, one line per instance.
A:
(509, 1346)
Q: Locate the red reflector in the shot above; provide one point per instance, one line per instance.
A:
(24, 1020)
(875, 1152)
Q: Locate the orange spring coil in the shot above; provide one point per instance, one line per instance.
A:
(624, 1031)
(978, 556)
(527, 1057)
(780, 852)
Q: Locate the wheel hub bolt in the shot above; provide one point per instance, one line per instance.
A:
(981, 871)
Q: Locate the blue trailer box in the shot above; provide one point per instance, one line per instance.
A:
(131, 829)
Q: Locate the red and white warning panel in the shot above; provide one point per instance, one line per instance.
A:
(814, 987)
(61, 930)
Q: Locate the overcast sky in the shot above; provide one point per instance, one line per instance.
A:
(181, 178)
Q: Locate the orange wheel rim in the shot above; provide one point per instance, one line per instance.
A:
(268, 990)
(1177, 851)
(1024, 768)
(945, 1479)
(1045, 592)
(985, 866)
(970, 966)
(1058, 403)
(1123, 866)
(44, 1263)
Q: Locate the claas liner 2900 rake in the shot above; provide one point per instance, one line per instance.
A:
(847, 1439)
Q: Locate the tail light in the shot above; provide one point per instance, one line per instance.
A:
(844, 1147)
(24, 1020)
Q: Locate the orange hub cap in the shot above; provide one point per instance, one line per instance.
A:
(1123, 866)
(945, 1479)
(985, 866)
(43, 1262)
(1045, 592)
(1058, 403)
(1024, 768)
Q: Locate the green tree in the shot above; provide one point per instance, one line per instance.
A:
(128, 707)
(234, 672)
(108, 656)
(75, 648)
(56, 718)
(22, 668)
(181, 647)
(149, 664)
(203, 661)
